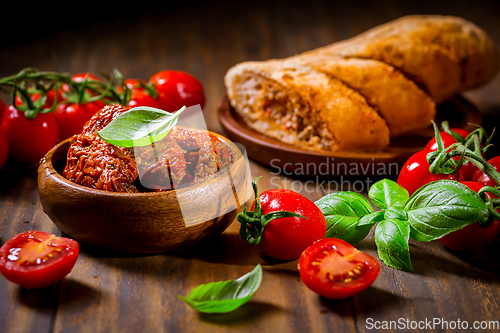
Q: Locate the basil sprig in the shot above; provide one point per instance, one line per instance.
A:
(224, 296)
(432, 212)
(139, 126)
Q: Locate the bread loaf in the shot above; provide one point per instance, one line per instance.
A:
(356, 94)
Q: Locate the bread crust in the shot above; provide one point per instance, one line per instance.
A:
(355, 94)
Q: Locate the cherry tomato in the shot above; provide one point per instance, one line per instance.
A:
(335, 269)
(285, 238)
(4, 148)
(36, 259)
(473, 236)
(2, 108)
(415, 173)
(482, 178)
(29, 139)
(49, 102)
(140, 95)
(176, 89)
(73, 116)
(468, 168)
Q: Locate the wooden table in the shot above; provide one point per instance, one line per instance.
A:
(116, 292)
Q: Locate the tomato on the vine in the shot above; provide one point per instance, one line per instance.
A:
(29, 139)
(415, 173)
(2, 108)
(177, 89)
(468, 168)
(473, 236)
(283, 223)
(4, 148)
(482, 178)
(36, 259)
(335, 269)
(72, 117)
(140, 95)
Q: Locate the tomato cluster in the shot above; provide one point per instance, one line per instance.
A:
(417, 171)
(49, 107)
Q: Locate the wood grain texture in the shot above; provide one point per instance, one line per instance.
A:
(111, 291)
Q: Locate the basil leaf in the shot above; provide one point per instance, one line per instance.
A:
(342, 211)
(387, 193)
(441, 207)
(139, 126)
(372, 219)
(224, 296)
(391, 238)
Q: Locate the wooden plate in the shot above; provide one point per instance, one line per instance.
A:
(459, 112)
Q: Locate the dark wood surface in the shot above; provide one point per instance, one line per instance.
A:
(115, 292)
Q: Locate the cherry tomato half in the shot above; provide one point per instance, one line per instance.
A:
(36, 259)
(285, 238)
(335, 269)
(73, 116)
(4, 148)
(415, 173)
(29, 139)
(473, 236)
(176, 89)
(482, 178)
(468, 168)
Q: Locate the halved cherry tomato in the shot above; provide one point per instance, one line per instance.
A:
(285, 238)
(335, 269)
(482, 178)
(4, 148)
(37, 259)
(468, 168)
(29, 139)
(72, 117)
(177, 89)
(473, 236)
(415, 173)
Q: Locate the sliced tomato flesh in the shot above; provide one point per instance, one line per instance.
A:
(336, 269)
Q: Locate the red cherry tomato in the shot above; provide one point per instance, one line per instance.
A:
(335, 269)
(72, 117)
(36, 259)
(4, 148)
(140, 95)
(415, 173)
(468, 168)
(482, 178)
(285, 238)
(2, 108)
(49, 102)
(29, 139)
(80, 77)
(176, 89)
(473, 236)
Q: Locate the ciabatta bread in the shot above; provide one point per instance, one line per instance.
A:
(358, 93)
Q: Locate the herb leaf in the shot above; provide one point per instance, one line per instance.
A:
(391, 238)
(343, 211)
(441, 207)
(387, 193)
(139, 126)
(224, 296)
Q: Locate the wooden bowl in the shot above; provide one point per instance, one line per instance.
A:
(150, 222)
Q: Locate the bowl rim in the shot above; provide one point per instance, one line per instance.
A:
(46, 164)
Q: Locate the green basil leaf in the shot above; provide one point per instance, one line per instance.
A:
(139, 126)
(372, 219)
(342, 211)
(224, 296)
(387, 193)
(391, 238)
(441, 207)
